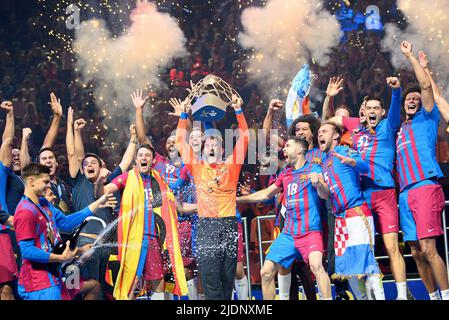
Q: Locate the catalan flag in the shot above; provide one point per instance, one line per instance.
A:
(133, 241)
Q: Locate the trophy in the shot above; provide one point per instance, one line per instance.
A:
(209, 98)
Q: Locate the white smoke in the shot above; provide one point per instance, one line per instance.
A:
(428, 30)
(284, 34)
(133, 60)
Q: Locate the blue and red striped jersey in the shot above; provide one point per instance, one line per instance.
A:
(416, 148)
(152, 199)
(315, 155)
(344, 180)
(301, 200)
(378, 147)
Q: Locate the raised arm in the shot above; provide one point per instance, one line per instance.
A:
(333, 88)
(79, 145)
(130, 152)
(259, 196)
(178, 107)
(187, 154)
(52, 133)
(241, 146)
(71, 221)
(139, 102)
(442, 104)
(73, 161)
(25, 158)
(8, 134)
(274, 106)
(423, 80)
(394, 113)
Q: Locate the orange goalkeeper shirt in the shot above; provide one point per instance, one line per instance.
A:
(216, 184)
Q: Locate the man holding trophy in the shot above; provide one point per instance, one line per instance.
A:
(216, 184)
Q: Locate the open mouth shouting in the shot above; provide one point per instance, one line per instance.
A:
(372, 119)
(412, 107)
(144, 166)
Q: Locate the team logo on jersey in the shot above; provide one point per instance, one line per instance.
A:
(316, 160)
(363, 143)
(303, 177)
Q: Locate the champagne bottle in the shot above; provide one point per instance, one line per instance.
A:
(73, 237)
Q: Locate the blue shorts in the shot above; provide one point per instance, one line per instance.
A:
(283, 251)
(420, 208)
(52, 293)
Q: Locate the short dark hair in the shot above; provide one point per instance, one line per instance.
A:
(344, 107)
(302, 141)
(147, 146)
(375, 98)
(43, 150)
(413, 87)
(34, 169)
(314, 124)
(333, 124)
(88, 155)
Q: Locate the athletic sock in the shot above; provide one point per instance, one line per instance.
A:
(192, 287)
(401, 287)
(435, 295)
(201, 296)
(284, 286)
(241, 287)
(444, 294)
(157, 296)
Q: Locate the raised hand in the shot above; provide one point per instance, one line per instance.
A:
(138, 99)
(422, 58)
(7, 106)
(70, 117)
(132, 130)
(80, 124)
(393, 82)
(236, 102)
(406, 48)
(275, 105)
(55, 104)
(26, 133)
(345, 160)
(335, 86)
(179, 107)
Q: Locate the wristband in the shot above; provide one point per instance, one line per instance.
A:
(184, 115)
